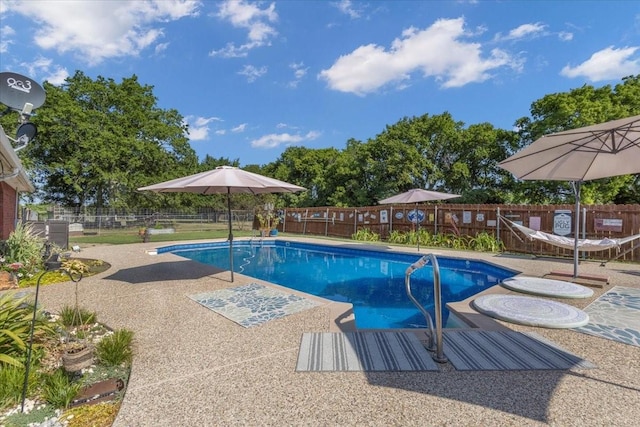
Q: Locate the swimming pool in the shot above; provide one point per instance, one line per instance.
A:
(372, 281)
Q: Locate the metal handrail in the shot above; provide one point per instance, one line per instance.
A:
(435, 336)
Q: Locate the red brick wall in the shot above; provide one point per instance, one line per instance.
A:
(8, 200)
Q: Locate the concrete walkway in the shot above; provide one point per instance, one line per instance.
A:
(193, 367)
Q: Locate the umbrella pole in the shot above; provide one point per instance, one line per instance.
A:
(576, 191)
(418, 228)
(230, 232)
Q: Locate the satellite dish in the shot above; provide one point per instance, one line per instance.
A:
(16, 91)
(26, 132)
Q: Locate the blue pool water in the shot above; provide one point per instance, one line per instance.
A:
(373, 281)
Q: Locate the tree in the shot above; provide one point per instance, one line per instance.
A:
(482, 148)
(307, 168)
(98, 141)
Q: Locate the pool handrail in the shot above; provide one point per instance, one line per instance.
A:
(435, 336)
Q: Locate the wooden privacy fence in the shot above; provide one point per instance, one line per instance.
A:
(596, 222)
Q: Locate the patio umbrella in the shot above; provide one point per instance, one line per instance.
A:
(417, 195)
(592, 152)
(224, 179)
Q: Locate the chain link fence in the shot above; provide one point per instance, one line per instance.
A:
(92, 221)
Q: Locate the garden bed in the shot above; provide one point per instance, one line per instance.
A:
(72, 397)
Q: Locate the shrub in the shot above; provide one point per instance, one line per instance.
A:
(443, 240)
(11, 383)
(486, 242)
(59, 390)
(72, 316)
(15, 328)
(397, 237)
(23, 247)
(364, 234)
(116, 349)
(424, 237)
(75, 267)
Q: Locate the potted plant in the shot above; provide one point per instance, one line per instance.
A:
(77, 355)
(274, 225)
(263, 221)
(143, 233)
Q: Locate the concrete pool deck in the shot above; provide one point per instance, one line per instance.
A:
(193, 367)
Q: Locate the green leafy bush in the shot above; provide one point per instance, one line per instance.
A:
(72, 316)
(397, 237)
(15, 328)
(12, 382)
(116, 349)
(24, 249)
(58, 389)
(486, 242)
(366, 235)
(424, 237)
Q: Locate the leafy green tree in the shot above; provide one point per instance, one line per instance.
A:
(348, 176)
(480, 180)
(99, 140)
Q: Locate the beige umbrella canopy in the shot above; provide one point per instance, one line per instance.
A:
(417, 195)
(599, 151)
(224, 180)
(592, 152)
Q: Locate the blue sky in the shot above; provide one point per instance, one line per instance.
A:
(252, 78)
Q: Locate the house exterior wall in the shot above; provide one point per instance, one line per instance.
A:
(8, 200)
(13, 180)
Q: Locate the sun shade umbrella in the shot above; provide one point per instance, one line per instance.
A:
(417, 195)
(592, 152)
(221, 180)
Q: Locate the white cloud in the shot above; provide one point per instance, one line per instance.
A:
(5, 38)
(250, 17)
(160, 47)
(275, 140)
(438, 51)
(199, 127)
(286, 126)
(525, 31)
(54, 74)
(606, 64)
(198, 133)
(239, 128)
(57, 76)
(348, 8)
(98, 30)
(565, 36)
(252, 73)
(299, 71)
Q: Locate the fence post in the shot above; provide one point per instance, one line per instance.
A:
(498, 223)
(284, 220)
(435, 221)
(304, 226)
(326, 224)
(355, 221)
